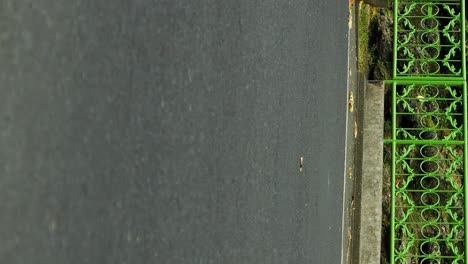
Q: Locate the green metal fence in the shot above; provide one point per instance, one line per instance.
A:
(428, 36)
(429, 137)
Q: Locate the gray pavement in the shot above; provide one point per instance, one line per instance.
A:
(171, 131)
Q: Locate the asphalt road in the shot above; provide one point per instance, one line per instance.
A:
(170, 131)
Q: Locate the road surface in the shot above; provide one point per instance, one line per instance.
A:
(170, 131)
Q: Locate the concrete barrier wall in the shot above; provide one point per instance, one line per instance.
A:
(369, 187)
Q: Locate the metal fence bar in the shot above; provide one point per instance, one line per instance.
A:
(465, 169)
(392, 235)
(395, 37)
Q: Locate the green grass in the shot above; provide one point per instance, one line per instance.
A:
(370, 60)
(363, 38)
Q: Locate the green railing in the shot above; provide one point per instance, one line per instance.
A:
(429, 137)
(428, 36)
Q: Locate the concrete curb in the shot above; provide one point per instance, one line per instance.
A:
(348, 251)
(369, 169)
